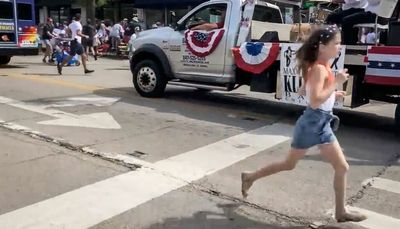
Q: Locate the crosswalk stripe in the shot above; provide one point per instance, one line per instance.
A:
(376, 220)
(384, 184)
(95, 203)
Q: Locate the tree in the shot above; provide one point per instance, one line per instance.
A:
(91, 7)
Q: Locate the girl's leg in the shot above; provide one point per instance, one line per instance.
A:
(334, 154)
(288, 163)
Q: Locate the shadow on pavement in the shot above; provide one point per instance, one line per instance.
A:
(238, 101)
(210, 220)
(359, 132)
(9, 66)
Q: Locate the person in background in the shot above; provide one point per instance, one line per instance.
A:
(102, 33)
(88, 43)
(349, 7)
(47, 35)
(115, 34)
(349, 33)
(76, 45)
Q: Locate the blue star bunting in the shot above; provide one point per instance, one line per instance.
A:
(202, 37)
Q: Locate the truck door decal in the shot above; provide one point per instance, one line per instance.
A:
(203, 43)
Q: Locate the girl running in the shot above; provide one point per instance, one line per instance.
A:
(314, 125)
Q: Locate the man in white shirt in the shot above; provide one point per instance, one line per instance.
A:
(76, 45)
(349, 33)
(115, 34)
(348, 7)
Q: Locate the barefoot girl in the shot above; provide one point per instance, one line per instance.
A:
(313, 127)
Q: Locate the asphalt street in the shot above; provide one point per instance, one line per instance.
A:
(87, 151)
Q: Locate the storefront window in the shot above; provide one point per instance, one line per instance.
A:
(60, 14)
(127, 11)
(154, 16)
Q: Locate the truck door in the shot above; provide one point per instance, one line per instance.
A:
(188, 65)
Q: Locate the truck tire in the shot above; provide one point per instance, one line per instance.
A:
(5, 59)
(397, 116)
(148, 79)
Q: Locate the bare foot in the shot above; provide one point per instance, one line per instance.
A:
(246, 184)
(351, 216)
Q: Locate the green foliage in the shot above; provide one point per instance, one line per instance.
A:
(101, 2)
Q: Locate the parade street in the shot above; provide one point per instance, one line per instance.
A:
(87, 151)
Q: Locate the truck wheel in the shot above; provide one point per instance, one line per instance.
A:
(5, 59)
(148, 79)
(397, 116)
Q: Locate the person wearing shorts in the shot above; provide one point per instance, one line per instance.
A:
(76, 45)
(47, 35)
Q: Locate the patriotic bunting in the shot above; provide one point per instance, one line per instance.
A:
(383, 66)
(202, 43)
(256, 57)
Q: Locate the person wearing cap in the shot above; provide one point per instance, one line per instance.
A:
(47, 35)
(76, 45)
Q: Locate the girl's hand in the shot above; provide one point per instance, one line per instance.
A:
(342, 76)
(339, 95)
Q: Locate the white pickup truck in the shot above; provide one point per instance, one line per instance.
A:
(163, 55)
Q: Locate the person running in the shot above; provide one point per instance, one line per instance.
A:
(88, 43)
(47, 35)
(76, 46)
(314, 125)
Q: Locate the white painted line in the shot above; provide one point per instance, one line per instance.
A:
(97, 101)
(208, 159)
(93, 204)
(376, 220)
(384, 184)
(101, 120)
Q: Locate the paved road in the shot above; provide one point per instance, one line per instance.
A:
(86, 151)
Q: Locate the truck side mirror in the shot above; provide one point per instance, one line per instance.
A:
(180, 27)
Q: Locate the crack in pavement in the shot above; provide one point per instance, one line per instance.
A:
(360, 194)
(63, 143)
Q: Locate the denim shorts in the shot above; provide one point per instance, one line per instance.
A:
(313, 128)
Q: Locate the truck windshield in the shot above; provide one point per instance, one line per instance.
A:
(6, 10)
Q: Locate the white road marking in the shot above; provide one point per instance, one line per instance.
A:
(97, 101)
(376, 220)
(384, 184)
(95, 203)
(102, 120)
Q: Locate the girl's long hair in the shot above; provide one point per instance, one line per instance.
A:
(308, 52)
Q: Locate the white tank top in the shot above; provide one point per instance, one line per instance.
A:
(328, 104)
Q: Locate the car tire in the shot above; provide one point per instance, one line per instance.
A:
(148, 79)
(4, 60)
